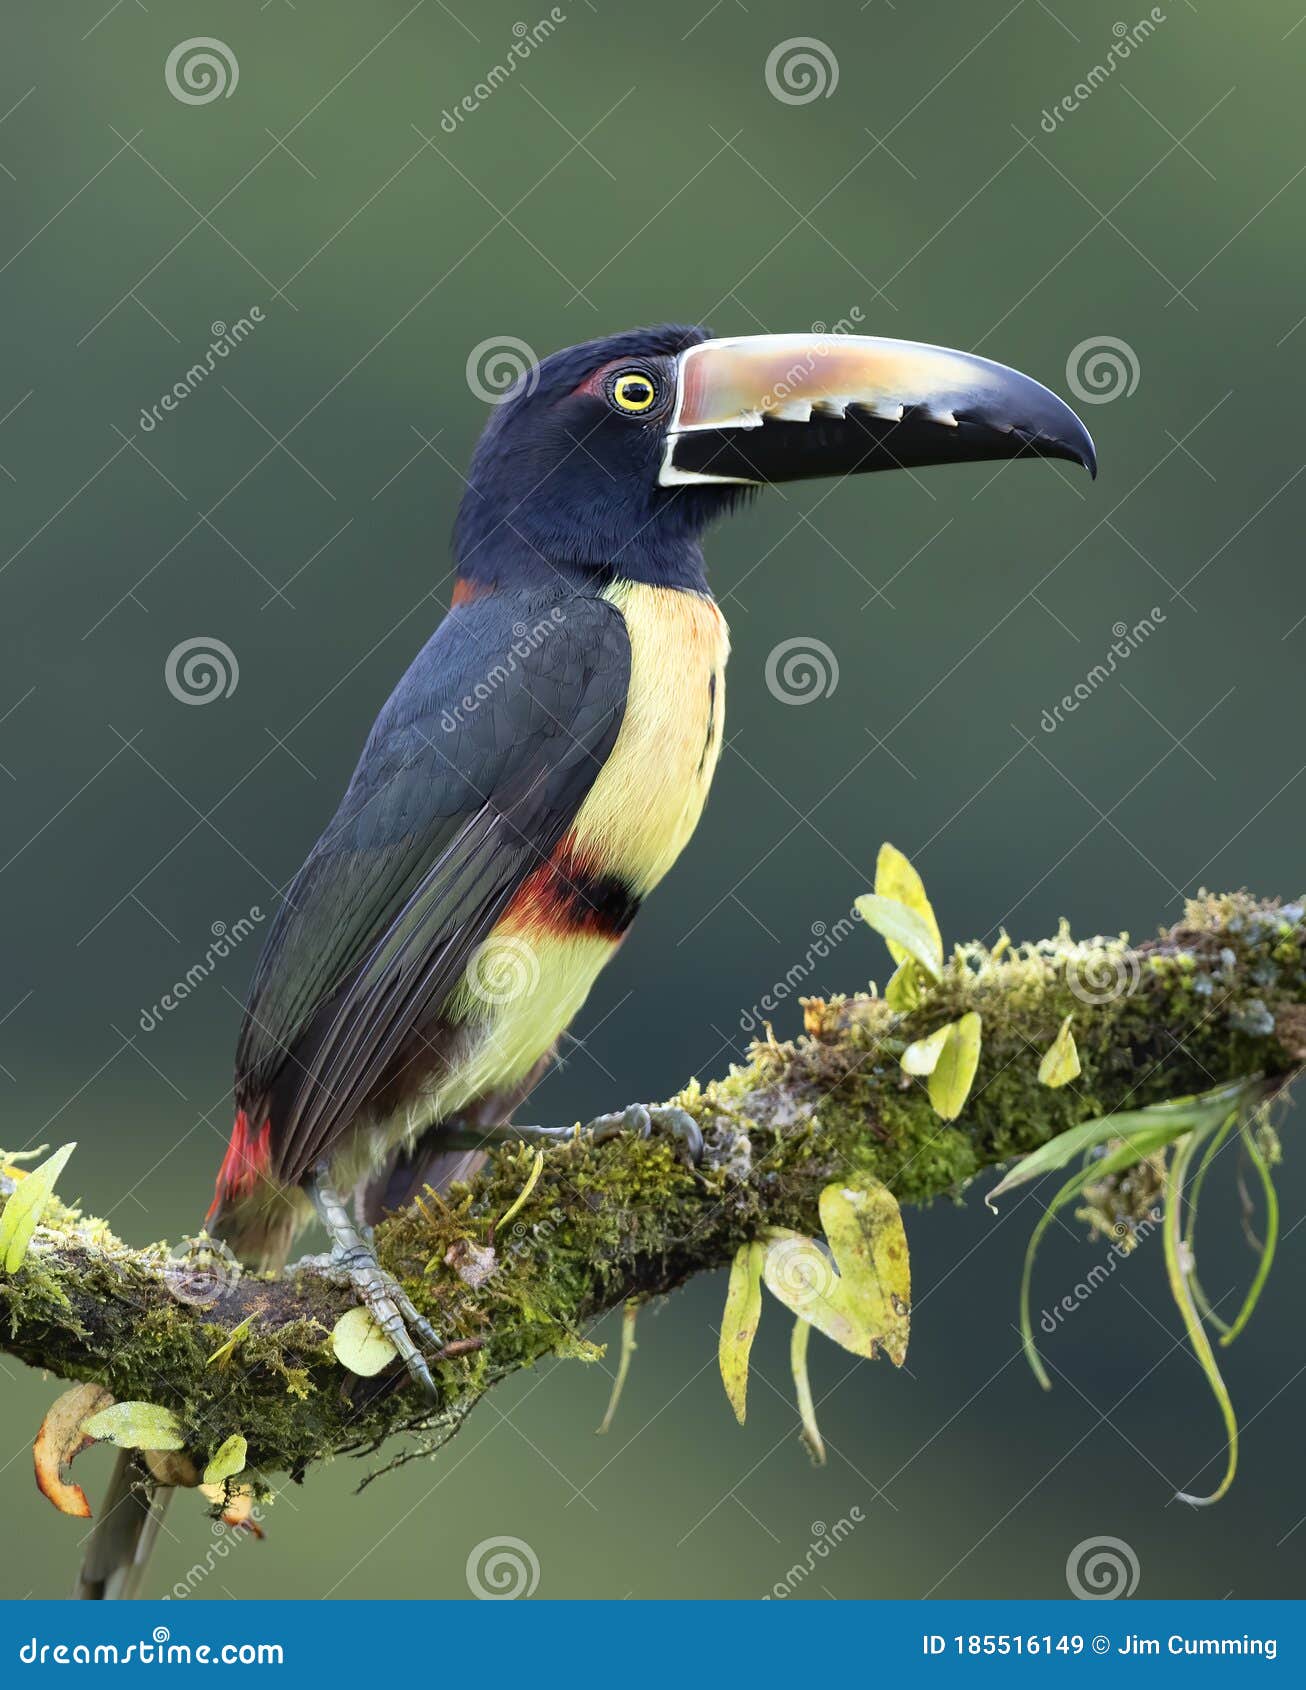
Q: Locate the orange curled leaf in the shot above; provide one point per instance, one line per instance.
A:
(59, 1440)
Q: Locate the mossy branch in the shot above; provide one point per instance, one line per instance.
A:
(1220, 997)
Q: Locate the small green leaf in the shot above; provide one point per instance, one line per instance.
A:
(903, 993)
(895, 878)
(1060, 1062)
(922, 1058)
(1181, 1290)
(25, 1205)
(360, 1344)
(743, 1310)
(954, 1072)
(803, 1392)
(905, 932)
(629, 1315)
(229, 1460)
(135, 1425)
(225, 1350)
(1146, 1129)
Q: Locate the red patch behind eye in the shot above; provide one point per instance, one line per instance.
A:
(593, 384)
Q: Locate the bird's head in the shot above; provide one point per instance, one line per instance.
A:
(615, 455)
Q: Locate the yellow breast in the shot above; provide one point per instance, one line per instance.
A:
(634, 823)
(646, 802)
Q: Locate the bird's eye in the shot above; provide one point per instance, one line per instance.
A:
(634, 391)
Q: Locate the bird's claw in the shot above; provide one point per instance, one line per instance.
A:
(645, 1119)
(394, 1312)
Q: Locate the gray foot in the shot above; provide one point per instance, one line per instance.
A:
(379, 1292)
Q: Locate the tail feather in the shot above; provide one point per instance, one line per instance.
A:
(123, 1536)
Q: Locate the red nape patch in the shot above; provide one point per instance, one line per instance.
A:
(246, 1162)
(465, 592)
(567, 896)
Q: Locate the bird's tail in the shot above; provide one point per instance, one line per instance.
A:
(123, 1536)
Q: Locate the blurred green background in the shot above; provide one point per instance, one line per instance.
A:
(296, 506)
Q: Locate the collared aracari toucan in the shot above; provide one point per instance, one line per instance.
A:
(547, 755)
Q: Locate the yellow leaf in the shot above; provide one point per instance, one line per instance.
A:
(896, 878)
(861, 1300)
(802, 1276)
(739, 1324)
(225, 1350)
(903, 993)
(1060, 1062)
(954, 1073)
(24, 1206)
(136, 1425)
(863, 1226)
(360, 1344)
(922, 1058)
(229, 1460)
(906, 933)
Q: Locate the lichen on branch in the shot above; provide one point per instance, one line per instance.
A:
(1221, 997)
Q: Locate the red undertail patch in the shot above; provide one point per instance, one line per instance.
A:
(248, 1158)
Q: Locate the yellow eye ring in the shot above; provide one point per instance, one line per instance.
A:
(634, 392)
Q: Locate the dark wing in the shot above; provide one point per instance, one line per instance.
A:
(474, 771)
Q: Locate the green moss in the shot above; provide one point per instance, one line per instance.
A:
(1221, 996)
